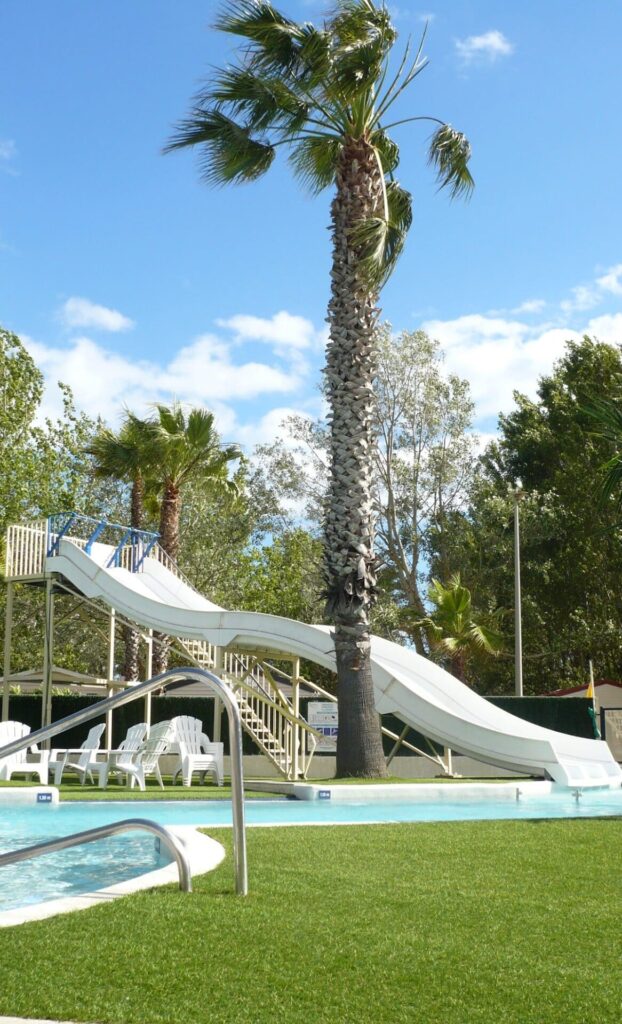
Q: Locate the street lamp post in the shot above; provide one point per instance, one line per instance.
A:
(517, 494)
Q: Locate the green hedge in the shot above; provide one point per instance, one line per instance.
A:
(564, 714)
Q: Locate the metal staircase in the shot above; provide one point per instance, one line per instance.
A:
(268, 717)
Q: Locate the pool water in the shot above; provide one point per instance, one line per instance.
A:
(107, 862)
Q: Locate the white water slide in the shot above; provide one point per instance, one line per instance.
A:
(416, 690)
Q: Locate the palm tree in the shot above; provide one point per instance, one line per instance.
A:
(325, 95)
(453, 630)
(607, 414)
(123, 456)
(181, 448)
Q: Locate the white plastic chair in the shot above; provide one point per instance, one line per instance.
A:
(147, 761)
(86, 762)
(122, 760)
(18, 764)
(196, 753)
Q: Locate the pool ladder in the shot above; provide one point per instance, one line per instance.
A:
(90, 835)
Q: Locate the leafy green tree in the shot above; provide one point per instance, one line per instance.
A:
(44, 469)
(325, 94)
(571, 551)
(456, 632)
(424, 460)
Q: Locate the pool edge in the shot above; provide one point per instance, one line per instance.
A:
(204, 853)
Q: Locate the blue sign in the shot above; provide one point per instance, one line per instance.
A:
(44, 798)
(324, 794)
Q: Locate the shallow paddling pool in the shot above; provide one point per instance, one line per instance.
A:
(93, 866)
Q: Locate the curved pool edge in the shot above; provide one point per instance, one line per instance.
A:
(28, 795)
(204, 854)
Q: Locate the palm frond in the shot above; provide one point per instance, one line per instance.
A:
(607, 414)
(380, 240)
(356, 68)
(387, 150)
(278, 44)
(228, 152)
(608, 418)
(264, 101)
(357, 19)
(315, 161)
(450, 152)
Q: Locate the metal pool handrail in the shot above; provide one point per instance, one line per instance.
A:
(103, 832)
(179, 676)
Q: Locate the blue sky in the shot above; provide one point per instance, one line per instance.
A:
(133, 282)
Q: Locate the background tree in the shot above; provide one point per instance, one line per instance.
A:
(325, 93)
(456, 632)
(424, 460)
(571, 551)
(44, 469)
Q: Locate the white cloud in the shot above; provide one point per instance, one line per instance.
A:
(606, 328)
(8, 153)
(283, 330)
(530, 306)
(612, 280)
(488, 46)
(77, 312)
(204, 372)
(498, 356)
(584, 296)
(8, 149)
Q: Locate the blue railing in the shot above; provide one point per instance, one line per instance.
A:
(120, 537)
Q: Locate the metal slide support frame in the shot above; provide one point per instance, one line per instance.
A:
(48, 654)
(8, 631)
(173, 676)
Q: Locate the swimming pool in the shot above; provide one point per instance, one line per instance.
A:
(85, 868)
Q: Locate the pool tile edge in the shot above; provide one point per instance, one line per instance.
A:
(205, 855)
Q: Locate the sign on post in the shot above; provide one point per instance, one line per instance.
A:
(324, 716)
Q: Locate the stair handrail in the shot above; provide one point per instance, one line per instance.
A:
(174, 678)
(290, 716)
(90, 835)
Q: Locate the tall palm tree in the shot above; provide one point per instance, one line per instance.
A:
(456, 631)
(181, 448)
(324, 93)
(124, 456)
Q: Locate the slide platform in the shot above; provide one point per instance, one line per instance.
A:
(417, 691)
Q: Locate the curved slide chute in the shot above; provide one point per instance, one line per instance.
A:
(406, 684)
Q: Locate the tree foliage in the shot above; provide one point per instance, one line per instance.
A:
(571, 550)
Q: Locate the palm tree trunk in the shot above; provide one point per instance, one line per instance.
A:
(349, 555)
(131, 664)
(169, 540)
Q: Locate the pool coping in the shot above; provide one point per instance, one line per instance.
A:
(29, 795)
(204, 854)
(419, 792)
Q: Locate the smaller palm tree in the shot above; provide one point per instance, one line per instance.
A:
(182, 448)
(453, 630)
(124, 456)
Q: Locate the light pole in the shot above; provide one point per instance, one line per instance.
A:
(517, 494)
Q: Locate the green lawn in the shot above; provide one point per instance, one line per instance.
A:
(447, 923)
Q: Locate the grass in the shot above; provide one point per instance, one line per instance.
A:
(445, 923)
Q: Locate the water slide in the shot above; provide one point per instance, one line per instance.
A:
(406, 684)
